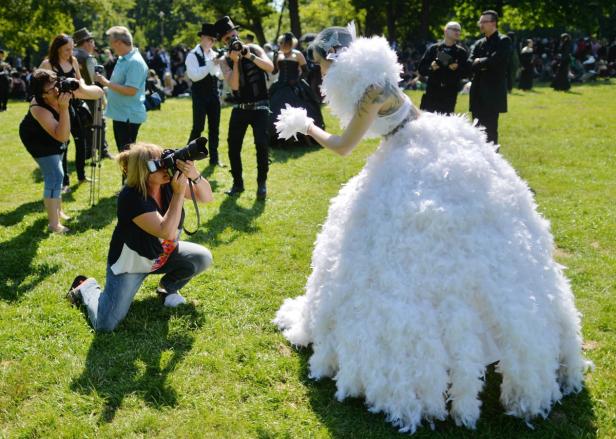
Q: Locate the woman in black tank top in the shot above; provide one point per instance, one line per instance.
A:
(60, 59)
(45, 131)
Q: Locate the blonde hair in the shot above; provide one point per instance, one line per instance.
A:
(120, 33)
(282, 39)
(134, 164)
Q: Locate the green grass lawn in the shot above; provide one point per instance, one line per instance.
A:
(218, 367)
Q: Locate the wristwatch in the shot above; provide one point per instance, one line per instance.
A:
(197, 180)
(252, 56)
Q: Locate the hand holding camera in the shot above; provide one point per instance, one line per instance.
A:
(179, 183)
(444, 59)
(64, 100)
(100, 77)
(170, 159)
(67, 85)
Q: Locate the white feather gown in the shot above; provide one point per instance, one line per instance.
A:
(433, 263)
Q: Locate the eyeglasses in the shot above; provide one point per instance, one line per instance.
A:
(455, 29)
(485, 21)
(49, 90)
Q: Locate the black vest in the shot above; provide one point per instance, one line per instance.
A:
(207, 85)
(253, 85)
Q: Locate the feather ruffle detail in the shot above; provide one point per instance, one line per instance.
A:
(291, 121)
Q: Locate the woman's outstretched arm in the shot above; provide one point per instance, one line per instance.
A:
(367, 111)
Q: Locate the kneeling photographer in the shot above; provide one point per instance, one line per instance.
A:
(146, 237)
(45, 132)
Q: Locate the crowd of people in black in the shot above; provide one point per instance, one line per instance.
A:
(534, 59)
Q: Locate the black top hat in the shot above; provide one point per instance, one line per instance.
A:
(82, 35)
(207, 29)
(224, 25)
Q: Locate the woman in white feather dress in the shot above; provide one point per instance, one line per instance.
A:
(433, 261)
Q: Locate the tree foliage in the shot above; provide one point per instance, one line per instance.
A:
(29, 25)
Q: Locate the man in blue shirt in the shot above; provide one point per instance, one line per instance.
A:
(126, 88)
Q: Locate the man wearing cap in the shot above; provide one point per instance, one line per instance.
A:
(246, 72)
(489, 58)
(5, 81)
(84, 53)
(203, 69)
(444, 64)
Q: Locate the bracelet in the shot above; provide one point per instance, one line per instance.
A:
(197, 180)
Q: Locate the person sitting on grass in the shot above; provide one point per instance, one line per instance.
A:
(146, 238)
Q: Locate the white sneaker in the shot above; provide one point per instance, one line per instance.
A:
(174, 300)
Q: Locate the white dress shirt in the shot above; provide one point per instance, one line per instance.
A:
(197, 73)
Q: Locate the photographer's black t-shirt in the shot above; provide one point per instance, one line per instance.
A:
(132, 249)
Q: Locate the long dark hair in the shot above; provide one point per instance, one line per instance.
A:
(54, 50)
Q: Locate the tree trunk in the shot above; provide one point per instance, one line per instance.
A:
(284, 3)
(259, 33)
(424, 27)
(391, 21)
(296, 26)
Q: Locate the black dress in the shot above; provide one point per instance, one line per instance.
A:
(291, 89)
(561, 69)
(526, 74)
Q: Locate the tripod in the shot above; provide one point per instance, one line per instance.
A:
(98, 136)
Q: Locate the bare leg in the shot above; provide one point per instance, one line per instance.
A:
(52, 205)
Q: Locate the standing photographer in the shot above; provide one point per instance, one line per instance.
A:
(60, 59)
(445, 64)
(146, 238)
(45, 131)
(203, 69)
(246, 71)
(84, 53)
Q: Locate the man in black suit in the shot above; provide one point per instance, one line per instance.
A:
(444, 64)
(490, 59)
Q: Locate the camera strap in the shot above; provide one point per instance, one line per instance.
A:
(192, 195)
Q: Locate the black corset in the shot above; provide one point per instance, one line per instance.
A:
(288, 71)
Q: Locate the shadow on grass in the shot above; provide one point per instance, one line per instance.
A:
(16, 216)
(284, 154)
(136, 358)
(573, 417)
(96, 217)
(207, 173)
(18, 275)
(230, 215)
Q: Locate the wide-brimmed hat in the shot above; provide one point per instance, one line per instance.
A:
(82, 35)
(207, 29)
(224, 25)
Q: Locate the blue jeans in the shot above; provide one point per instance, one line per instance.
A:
(107, 309)
(51, 168)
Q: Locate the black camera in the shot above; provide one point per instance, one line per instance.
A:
(444, 59)
(99, 69)
(195, 150)
(236, 44)
(67, 85)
